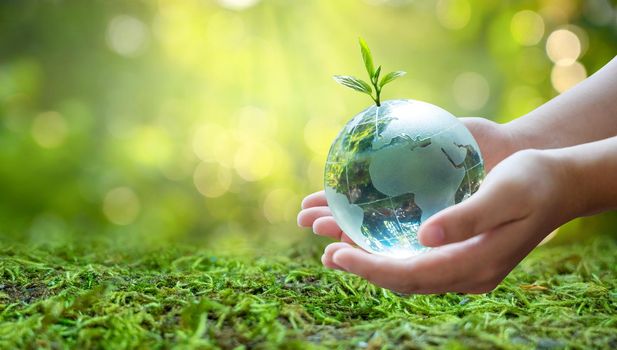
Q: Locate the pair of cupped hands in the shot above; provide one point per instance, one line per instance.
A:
(478, 241)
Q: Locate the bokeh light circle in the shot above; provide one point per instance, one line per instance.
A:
(211, 179)
(254, 160)
(453, 14)
(49, 129)
(471, 91)
(563, 77)
(213, 142)
(238, 4)
(318, 133)
(121, 206)
(127, 35)
(151, 145)
(563, 47)
(280, 205)
(527, 27)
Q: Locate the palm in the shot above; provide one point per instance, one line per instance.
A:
(485, 237)
(494, 141)
(495, 145)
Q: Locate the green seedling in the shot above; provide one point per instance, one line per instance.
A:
(361, 85)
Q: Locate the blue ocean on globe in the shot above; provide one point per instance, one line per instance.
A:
(392, 167)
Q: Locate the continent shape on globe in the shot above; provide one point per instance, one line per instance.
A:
(394, 166)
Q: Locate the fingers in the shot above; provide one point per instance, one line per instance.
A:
(414, 275)
(479, 264)
(379, 270)
(490, 207)
(494, 255)
(346, 239)
(327, 226)
(317, 199)
(307, 217)
(326, 258)
(317, 215)
(427, 274)
(476, 265)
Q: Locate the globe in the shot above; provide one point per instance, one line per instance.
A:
(392, 167)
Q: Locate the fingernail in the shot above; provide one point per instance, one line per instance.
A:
(434, 235)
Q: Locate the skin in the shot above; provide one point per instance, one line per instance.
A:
(544, 169)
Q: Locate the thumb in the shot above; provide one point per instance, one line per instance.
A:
(490, 207)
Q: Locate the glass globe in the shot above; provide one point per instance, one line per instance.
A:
(394, 166)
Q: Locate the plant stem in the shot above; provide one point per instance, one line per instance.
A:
(377, 91)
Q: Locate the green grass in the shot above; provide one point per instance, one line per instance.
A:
(559, 297)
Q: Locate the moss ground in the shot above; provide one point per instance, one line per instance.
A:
(559, 297)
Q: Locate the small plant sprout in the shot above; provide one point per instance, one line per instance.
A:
(363, 86)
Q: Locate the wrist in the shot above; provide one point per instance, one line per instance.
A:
(591, 168)
(513, 139)
(521, 135)
(574, 197)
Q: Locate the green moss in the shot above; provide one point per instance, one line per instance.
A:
(559, 297)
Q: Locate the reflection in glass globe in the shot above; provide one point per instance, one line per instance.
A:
(394, 166)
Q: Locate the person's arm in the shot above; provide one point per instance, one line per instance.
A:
(587, 112)
(479, 241)
(523, 198)
(593, 166)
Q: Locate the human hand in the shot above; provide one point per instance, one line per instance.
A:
(480, 240)
(495, 141)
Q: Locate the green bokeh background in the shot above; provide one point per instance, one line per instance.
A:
(206, 122)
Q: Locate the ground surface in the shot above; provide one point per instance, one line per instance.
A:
(560, 297)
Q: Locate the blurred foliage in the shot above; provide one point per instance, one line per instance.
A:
(207, 121)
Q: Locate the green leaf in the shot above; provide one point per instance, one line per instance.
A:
(354, 83)
(375, 77)
(391, 76)
(367, 58)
